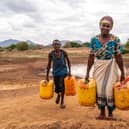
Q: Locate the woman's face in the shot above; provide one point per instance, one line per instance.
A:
(56, 45)
(105, 27)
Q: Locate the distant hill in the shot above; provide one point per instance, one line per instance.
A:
(8, 42)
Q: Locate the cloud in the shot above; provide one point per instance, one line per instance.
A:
(75, 3)
(45, 20)
(17, 6)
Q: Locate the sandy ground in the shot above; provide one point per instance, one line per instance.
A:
(22, 108)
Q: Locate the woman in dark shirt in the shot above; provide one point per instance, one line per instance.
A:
(61, 67)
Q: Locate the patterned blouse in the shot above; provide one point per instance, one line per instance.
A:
(106, 51)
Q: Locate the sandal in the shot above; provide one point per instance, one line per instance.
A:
(101, 117)
(111, 118)
(62, 106)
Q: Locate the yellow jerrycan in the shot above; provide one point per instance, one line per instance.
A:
(87, 92)
(121, 96)
(46, 89)
(70, 85)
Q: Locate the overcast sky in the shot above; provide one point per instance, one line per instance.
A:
(44, 20)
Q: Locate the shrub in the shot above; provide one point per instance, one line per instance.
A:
(127, 44)
(86, 44)
(125, 51)
(21, 46)
(1, 49)
(11, 47)
(71, 44)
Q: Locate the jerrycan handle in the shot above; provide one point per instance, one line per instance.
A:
(68, 77)
(45, 82)
(86, 81)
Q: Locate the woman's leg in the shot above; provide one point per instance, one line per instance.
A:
(101, 102)
(58, 98)
(57, 89)
(62, 105)
(102, 114)
(110, 114)
(62, 98)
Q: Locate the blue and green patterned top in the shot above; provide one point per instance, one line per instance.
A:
(107, 51)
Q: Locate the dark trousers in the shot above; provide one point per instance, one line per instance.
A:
(59, 83)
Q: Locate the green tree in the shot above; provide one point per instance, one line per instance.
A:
(10, 47)
(21, 46)
(86, 44)
(71, 44)
(125, 51)
(1, 49)
(127, 44)
(75, 44)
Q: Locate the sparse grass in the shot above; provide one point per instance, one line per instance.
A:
(43, 53)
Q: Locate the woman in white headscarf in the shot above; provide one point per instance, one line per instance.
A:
(106, 56)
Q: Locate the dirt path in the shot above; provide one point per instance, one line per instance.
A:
(21, 107)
